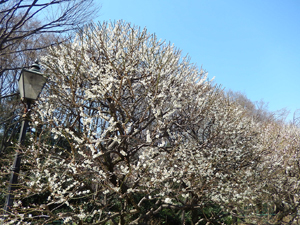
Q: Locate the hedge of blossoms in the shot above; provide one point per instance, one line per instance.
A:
(127, 128)
(277, 184)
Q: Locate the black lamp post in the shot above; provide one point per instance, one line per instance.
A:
(31, 83)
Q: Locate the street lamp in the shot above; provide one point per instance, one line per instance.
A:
(31, 83)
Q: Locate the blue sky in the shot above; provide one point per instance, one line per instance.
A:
(251, 46)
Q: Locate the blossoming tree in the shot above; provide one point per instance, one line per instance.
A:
(277, 183)
(126, 129)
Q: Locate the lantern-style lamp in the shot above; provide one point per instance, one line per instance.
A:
(31, 82)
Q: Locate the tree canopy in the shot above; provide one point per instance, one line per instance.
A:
(128, 131)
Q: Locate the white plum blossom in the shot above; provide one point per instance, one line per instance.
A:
(128, 127)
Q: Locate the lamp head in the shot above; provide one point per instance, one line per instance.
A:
(31, 82)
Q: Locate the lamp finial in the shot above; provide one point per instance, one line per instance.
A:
(36, 66)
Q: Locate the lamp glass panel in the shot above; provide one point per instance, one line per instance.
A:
(31, 84)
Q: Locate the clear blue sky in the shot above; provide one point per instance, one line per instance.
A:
(251, 46)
